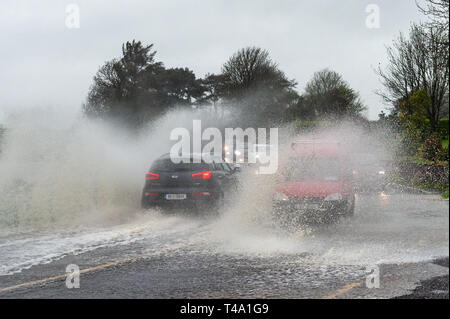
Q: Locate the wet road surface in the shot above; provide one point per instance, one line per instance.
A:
(239, 255)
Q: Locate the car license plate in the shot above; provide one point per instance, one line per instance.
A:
(175, 196)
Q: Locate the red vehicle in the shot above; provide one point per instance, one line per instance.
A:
(317, 181)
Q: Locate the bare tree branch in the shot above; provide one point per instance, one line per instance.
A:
(417, 62)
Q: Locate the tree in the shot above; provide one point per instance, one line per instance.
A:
(415, 63)
(212, 87)
(328, 95)
(122, 84)
(106, 91)
(136, 88)
(257, 88)
(179, 86)
(438, 11)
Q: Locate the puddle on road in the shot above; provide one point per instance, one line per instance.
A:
(380, 232)
(31, 249)
(384, 229)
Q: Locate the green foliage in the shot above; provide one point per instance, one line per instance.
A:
(443, 128)
(437, 187)
(411, 136)
(415, 111)
(416, 77)
(258, 91)
(444, 143)
(179, 86)
(412, 115)
(306, 126)
(416, 131)
(419, 102)
(423, 125)
(443, 154)
(442, 188)
(213, 86)
(136, 88)
(431, 149)
(328, 95)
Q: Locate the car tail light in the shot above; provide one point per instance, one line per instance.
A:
(202, 175)
(151, 194)
(151, 176)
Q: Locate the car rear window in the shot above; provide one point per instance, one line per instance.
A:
(166, 165)
(312, 169)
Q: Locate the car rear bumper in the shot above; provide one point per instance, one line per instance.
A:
(193, 197)
(310, 206)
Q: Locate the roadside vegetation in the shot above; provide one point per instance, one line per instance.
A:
(252, 91)
(416, 84)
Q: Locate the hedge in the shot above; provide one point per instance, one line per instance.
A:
(443, 128)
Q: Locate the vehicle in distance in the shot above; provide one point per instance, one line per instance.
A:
(246, 154)
(369, 172)
(236, 152)
(316, 182)
(188, 184)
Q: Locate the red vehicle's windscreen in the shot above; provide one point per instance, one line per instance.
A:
(312, 169)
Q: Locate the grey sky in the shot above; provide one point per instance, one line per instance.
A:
(43, 63)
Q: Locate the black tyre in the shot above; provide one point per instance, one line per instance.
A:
(217, 207)
(145, 203)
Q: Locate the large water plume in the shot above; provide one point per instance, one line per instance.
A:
(380, 231)
(81, 180)
(61, 170)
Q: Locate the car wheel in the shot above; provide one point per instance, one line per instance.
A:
(219, 205)
(145, 204)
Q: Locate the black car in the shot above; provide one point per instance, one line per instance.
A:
(188, 184)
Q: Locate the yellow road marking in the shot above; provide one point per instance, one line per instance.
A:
(342, 290)
(62, 276)
(132, 260)
(32, 283)
(91, 269)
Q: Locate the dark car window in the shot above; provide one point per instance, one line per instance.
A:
(312, 169)
(166, 165)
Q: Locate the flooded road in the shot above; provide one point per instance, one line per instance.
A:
(155, 255)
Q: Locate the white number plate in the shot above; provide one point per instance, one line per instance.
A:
(175, 196)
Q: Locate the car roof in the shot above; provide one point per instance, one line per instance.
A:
(202, 156)
(316, 148)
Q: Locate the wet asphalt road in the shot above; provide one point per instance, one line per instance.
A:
(401, 236)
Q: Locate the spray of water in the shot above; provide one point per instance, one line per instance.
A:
(60, 173)
(384, 228)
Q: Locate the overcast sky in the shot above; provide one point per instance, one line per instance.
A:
(45, 64)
